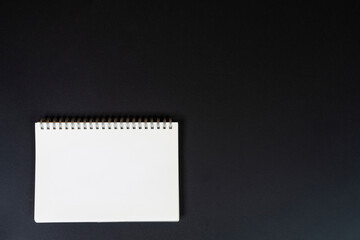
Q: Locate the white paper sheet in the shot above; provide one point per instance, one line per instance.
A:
(106, 175)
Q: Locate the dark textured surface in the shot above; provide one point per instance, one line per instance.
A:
(265, 96)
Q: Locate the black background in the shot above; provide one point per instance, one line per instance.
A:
(265, 95)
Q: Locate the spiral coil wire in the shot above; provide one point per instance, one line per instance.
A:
(72, 123)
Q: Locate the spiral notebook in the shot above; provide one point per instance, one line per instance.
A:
(113, 170)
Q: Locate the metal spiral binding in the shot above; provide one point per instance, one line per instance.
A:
(72, 123)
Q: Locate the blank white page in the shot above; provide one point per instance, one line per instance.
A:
(106, 175)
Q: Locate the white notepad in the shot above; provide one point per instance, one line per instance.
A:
(106, 171)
